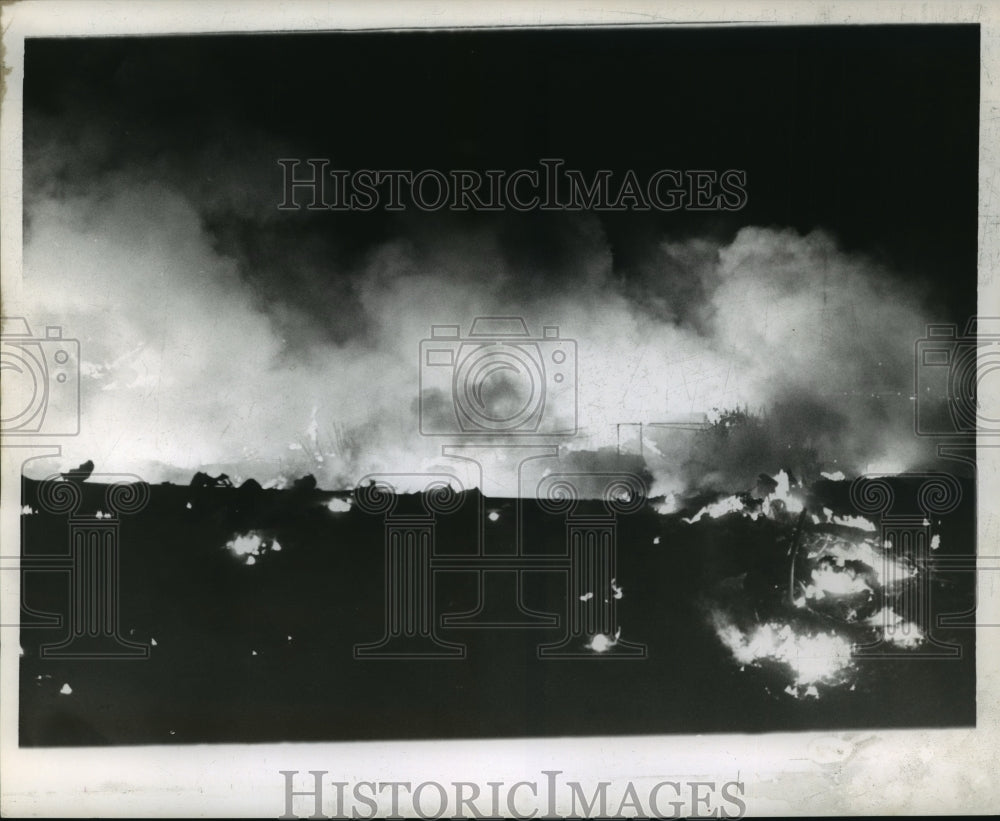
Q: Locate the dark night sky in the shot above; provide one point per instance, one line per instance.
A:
(869, 131)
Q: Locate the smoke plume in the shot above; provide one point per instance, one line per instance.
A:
(220, 334)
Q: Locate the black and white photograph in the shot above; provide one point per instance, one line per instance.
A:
(505, 388)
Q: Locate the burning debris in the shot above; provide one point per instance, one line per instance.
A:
(252, 545)
(602, 643)
(829, 579)
(857, 522)
(838, 592)
(877, 564)
(773, 498)
(667, 505)
(338, 505)
(812, 658)
(729, 504)
(895, 629)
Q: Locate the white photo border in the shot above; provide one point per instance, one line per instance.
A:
(810, 773)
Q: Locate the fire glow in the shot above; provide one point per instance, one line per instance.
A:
(841, 583)
(818, 658)
(781, 500)
(252, 545)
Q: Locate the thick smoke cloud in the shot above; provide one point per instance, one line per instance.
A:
(195, 358)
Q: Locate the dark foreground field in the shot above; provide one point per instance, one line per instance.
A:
(264, 651)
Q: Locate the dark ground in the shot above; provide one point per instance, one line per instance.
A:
(208, 611)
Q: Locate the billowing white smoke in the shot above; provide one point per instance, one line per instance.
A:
(186, 367)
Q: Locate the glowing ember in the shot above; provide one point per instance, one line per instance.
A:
(249, 544)
(802, 692)
(587, 596)
(602, 643)
(338, 505)
(493, 516)
(252, 545)
(616, 590)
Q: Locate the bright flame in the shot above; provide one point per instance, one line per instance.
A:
(337, 505)
(886, 570)
(778, 501)
(252, 545)
(783, 493)
(857, 522)
(896, 629)
(812, 658)
(602, 643)
(669, 504)
(722, 507)
(836, 583)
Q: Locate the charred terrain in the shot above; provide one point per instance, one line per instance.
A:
(250, 603)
